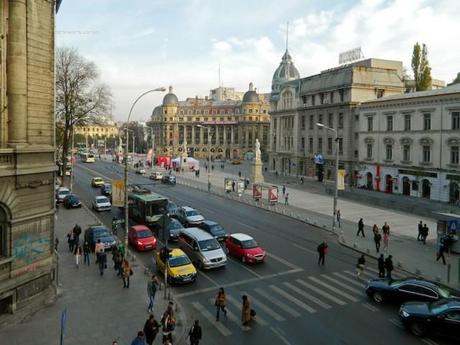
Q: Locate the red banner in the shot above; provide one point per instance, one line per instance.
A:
(256, 191)
(273, 194)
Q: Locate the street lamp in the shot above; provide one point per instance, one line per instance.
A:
(336, 192)
(161, 89)
(209, 154)
(152, 136)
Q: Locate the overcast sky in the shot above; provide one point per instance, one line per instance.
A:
(143, 44)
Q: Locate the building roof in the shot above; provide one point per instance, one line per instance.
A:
(170, 98)
(251, 95)
(286, 70)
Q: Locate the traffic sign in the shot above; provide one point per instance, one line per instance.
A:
(452, 226)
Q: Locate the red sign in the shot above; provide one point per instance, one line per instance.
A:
(256, 191)
(273, 194)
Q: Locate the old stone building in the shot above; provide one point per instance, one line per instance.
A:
(27, 167)
(234, 125)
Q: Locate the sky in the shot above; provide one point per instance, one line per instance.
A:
(144, 44)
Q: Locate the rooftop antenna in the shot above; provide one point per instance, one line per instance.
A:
(287, 35)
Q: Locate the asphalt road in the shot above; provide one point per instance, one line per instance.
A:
(297, 302)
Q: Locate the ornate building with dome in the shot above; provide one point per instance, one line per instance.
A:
(234, 125)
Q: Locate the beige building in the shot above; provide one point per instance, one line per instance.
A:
(27, 165)
(234, 125)
(94, 131)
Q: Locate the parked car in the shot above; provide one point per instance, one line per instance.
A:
(106, 189)
(97, 182)
(180, 269)
(189, 216)
(168, 179)
(172, 209)
(156, 175)
(141, 238)
(61, 193)
(72, 201)
(99, 232)
(245, 248)
(403, 290)
(140, 171)
(441, 317)
(102, 203)
(214, 229)
(174, 229)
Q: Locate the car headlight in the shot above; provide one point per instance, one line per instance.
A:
(139, 243)
(404, 313)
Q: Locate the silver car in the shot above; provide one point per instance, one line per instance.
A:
(102, 203)
(189, 216)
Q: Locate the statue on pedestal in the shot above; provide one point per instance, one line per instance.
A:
(256, 168)
(257, 150)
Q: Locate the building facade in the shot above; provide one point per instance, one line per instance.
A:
(98, 131)
(27, 165)
(409, 144)
(330, 98)
(234, 126)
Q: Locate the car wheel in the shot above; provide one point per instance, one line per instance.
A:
(377, 297)
(417, 329)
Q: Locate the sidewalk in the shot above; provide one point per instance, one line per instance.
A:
(99, 309)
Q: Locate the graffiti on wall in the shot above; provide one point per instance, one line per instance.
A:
(27, 248)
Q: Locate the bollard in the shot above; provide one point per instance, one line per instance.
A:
(355, 246)
(399, 264)
(418, 272)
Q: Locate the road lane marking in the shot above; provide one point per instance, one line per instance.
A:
(278, 303)
(244, 267)
(337, 291)
(238, 305)
(208, 316)
(232, 317)
(283, 339)
(305, 249)
(265, 308)
(396, 322)
(353, 274)
(343, 285)
(321, 292)
(283, 261)
(307, 295)
(246, 225)
(293, 299)
(370, 307)
(208, 210)
(429, 341)
(208, 277)
(350, 280)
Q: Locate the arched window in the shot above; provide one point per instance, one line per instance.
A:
(287, 98)
(3, 233)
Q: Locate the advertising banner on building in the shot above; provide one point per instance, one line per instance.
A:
(118, 193)
(240, 187)
(341, 179)
(273, 194)
(257, 191)
(228, 183)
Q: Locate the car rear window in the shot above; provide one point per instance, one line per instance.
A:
(144, 233)
(439, 306)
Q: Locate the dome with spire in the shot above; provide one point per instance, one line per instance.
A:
(170, 98)
(286, 71)
(251, 95)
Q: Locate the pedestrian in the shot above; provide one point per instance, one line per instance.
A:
(338, 215)
(284, 189)
(386, 228)
(140, 339)
(233, 186)
(239, 173)
(76, 233)
(440, 254)
(168, 323)
(78, 253)
(195, 333)
(70, 241)
(389, 266)
(276, 173)
(86, 251)
(246, 311)
(152, 286)
(420, 229)
(381, 266)
(118, 263)
(301, 180)
(126, 273)
(56, 244)
(286, 199)
(115, 254)
(151, 329)
(322, 250)
(375, 229)
(424, 233)
(102, 262)
(360, 227)
(98, 249)
(220, 303)
(360, 266)
(377, 239)
(386, 240)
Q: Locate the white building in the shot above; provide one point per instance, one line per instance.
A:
(409, 144)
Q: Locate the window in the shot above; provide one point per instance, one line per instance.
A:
(331, 97)
(302, 122)
(303, 143)
(320, 118)
(454, 154)
(312, 120)
(389, 123)
(313, 99)
(340, 120)
(320, 144)
(304, 100)
(310, 145)
(456, 120)
(330, 120)
(370, 123)
(406, 153)
(340, 145)
(342, 95)
(321, 98)
(426, 122)
(389, 152)
(407, 124)
(426, 154)
(3, 233)
(329, 145)
(369, 151)
(380, 93)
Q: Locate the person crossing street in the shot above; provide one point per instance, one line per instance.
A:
(389, 266)
(195, 333)
(322, 250)
(360, 227)
(360, 266)
(151, 291)
(220, 303)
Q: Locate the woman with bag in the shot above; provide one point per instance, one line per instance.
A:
(220, 303)
(168, 323)
(246, 311)
(126, 273)
(151, 329)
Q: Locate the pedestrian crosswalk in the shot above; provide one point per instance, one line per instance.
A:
(290, 299)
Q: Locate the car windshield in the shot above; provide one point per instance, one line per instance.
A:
(248, 244)
(172, 206)
(174, 224)
(144, 233)
(439, 306)
(210, 244)
(64, 192)
(98, 179)
(444, 292)
(191, 213)
(102, 200)
(100, 232)
(179, 261)
(217, 230)
(107, 187)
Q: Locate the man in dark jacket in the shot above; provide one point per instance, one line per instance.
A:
(389, 266)
(420, 227)
(424, 233)
(381, 264)
(322, 249)
(140, 339)
(195, 333)
(360, 227)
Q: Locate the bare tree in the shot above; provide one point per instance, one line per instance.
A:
(80, 97)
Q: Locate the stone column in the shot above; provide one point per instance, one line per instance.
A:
(231, 136)
(217, 135)
(193, 135)
(225, 136)
(16, 70)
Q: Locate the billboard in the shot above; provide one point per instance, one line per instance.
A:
(341, 179)
(273, 194)
(118, 193)
(257, 191)
(350, 55)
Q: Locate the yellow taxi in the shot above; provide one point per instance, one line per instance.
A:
(180, 269)
(97, 182)
(236, 162)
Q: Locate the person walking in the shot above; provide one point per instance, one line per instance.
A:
(140, 339)
(386, 241)
(78, 253)
(195, 333)
(377, 239)
(86, 251)
(440, 254)
(286, 199)
(420, 229)
(246, 311)
(76, 231)
(360, 227)
(220, 303)
(360, 266)
(322, 250)
(102, 262)
(152, 286)
(389, 266)
(98, 249)
(126, 273)
(233, 186)
(70, 242)
(338, 216)
(381, 266)
(168, 323)
(424, 233)
(151, 329)
(284, 189)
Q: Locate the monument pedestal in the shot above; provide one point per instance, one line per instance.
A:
(256, 172)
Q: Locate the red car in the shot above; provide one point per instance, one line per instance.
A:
(141, 238)
(245, 248)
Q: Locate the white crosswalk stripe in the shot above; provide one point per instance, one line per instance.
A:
(294, 300)
(337, 291)
(353, 274)
(343, 285)
(208, 316)
(321, 292)
(307, 295)
(350, 280)
(259, 305)
(278, 303)
(238, 305)
(231, 317)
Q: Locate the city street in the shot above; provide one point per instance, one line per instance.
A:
(295, 299)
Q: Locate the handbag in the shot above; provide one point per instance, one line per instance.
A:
(131, 272)
(253, 313)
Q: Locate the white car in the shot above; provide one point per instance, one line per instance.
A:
(102, 203)
(156, 175)
(61, 193)
(140, 171)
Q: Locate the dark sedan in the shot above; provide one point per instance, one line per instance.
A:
(440, 317)
(72, 201)
(106, 190)
(174, 229)
(214, 229)
(400, 291)
(99, 232)
(168, 179)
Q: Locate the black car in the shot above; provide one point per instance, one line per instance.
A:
(441, 317)
(174, 229)
(72, 201)
(168, 179)
(214, 229)
(410, 289)
(99, 232)
(106, 189)
(172, 209)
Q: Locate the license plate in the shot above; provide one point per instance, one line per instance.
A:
(186, 279)
(148, 246)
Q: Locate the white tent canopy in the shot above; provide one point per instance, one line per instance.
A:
(186, 163)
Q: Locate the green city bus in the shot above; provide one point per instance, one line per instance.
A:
(148, 209)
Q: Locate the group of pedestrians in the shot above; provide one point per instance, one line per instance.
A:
(422, 232)
(247, 313)
(385, 266)
(377, 235)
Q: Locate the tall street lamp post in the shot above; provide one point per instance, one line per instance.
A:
(126, 165)
(152, 136)
(336, 191)
(209, 155)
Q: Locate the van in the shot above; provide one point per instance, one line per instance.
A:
(202, 248)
